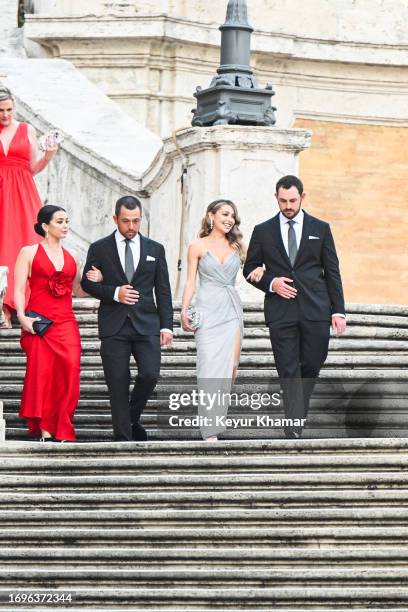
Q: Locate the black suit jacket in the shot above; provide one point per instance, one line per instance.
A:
(148, 315)
(315, 273)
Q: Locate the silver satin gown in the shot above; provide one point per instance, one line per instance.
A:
(221, 322)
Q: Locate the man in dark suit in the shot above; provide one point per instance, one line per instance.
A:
(130, 320)
(303, 294)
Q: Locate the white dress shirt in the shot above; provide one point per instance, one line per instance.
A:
(298, 227)
(284, 228)
(134, 244)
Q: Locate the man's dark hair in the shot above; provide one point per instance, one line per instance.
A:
(129, 202)
(289, 181)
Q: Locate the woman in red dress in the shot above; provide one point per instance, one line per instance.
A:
(19, 199)
(51, 386)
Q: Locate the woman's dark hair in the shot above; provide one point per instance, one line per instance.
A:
(45, 214)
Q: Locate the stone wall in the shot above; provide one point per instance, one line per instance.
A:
(340, 61)
(11, 37)
(356, 178)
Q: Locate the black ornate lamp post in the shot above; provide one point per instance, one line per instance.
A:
(233, 96)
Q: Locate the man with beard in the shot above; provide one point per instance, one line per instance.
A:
(135, 315)
(303, 294)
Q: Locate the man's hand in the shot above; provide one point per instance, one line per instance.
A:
(94, 275)
(256, 275)
(280, 287)
(128, 295)
(339, 325)
(166, 339)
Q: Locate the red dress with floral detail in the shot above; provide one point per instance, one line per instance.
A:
(51, 386)
(19, 204)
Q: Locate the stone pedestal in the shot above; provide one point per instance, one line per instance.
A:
(3, 287)
(199, 165)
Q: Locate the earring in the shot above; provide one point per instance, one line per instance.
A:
(211, 224)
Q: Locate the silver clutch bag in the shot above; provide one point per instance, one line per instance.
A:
(195, 317)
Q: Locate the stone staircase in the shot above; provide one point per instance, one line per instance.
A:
(191, 526)
(250, 524)
(363, 389)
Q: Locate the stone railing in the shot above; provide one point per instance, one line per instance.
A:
(3, 287)
(104, 153)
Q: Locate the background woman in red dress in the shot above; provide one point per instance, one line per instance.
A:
(51, 386)
(19, 199)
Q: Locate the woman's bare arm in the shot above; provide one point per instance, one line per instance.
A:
(21, 274)
(37, 165)
(193, 257)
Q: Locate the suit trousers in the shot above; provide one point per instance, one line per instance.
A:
(115, 352)
(300, 349)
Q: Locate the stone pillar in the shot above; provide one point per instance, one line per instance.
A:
(198, 165)
(11, 37)
(3, 287)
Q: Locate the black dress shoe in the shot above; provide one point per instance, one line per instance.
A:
(292, 434)
(138, 433)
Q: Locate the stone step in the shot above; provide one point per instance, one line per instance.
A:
(362, 536)
(247, 448)
(204, 518)
(169, 379)
(201, 606)
(209, 481)
(257, 319)
(319, 403)
(202, 464)
(280, 579)
(263, 599)
(88, 434)
(213, 556)
(91, 304)
(369, 421)
(262, 498)
(12, 336)
(16, 363)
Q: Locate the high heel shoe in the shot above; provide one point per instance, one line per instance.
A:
(47, 439)
(211, 439)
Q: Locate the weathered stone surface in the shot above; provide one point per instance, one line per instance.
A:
(355, 53)
(11, 37)
(104, 154)
(216, 162)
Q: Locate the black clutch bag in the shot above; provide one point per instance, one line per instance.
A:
(40, 327)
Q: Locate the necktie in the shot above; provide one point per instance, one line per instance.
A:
(292, 246)
(129, 265)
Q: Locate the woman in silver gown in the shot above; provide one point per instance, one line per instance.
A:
(216, 258)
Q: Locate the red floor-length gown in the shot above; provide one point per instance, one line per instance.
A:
(51, 386)
(19, 204)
